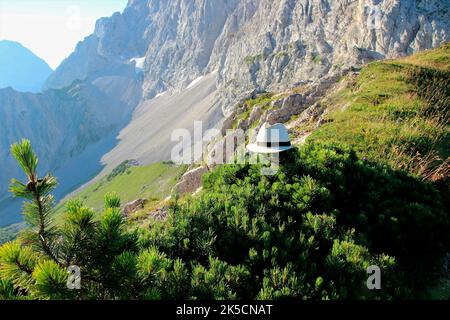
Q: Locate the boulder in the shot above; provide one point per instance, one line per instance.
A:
(191, 181)
(283, 109)
(255, 115)
(159, 214)
(134, 206)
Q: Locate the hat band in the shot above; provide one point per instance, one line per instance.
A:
(274, 144)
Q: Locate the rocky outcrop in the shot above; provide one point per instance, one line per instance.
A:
(191, 181)
(295, 104)
(282, 110)
(159, 214)
(304, 103)
(109, 51)
(273, 45)
(134, 206)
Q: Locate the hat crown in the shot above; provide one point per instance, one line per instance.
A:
(276, 133)
(271, 139)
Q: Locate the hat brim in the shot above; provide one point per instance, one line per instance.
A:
(258, 149)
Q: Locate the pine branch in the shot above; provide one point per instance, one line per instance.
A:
(23, 267)
(41, 232)
(37, 191)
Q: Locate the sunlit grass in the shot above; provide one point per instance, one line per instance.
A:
(387, 116)
(153, 183)
(433, 58)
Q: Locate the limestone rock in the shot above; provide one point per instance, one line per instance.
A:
(159, 214)
(191, 181)
(255, 114)
(253, 44)
(283, 109)
(134, 206)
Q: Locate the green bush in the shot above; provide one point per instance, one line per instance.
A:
(325, 217)
(308, 232)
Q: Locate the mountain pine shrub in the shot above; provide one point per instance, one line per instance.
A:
(312, 230)
(308, 232)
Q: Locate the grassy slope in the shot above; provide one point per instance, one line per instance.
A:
(153, 182)
(385, 114)
(10, 232)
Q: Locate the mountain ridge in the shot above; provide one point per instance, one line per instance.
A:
(72, 128)
(257, 45)
(21, 69)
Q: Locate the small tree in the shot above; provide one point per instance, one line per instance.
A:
(35, 265)
(41, 234)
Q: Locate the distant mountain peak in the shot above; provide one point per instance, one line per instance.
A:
(11, 43)
(20, 68)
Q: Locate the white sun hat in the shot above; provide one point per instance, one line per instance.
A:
(271, 139)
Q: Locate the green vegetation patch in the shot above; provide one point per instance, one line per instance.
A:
(263, 100)
(250, 60)
(10, 232)
(310, 231)
(396, 113)
(153, 182)
(434, 58)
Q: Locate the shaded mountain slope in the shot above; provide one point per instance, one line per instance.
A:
(21, 69)
(72, 128)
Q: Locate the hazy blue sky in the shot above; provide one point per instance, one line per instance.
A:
(52, 28)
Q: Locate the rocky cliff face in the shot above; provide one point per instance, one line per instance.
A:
(271, 45)
(253, 44)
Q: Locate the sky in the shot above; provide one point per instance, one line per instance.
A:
(52, 28)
